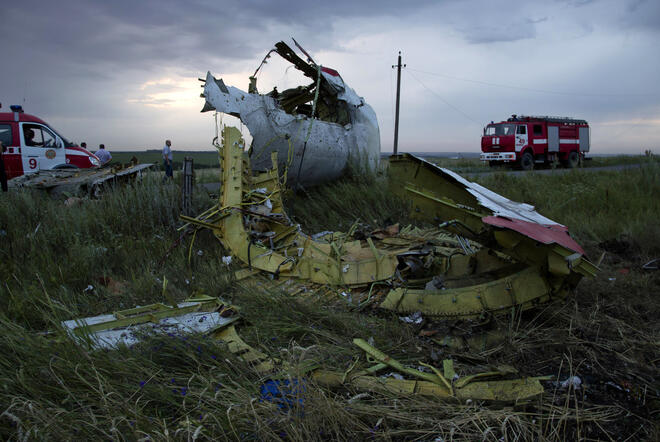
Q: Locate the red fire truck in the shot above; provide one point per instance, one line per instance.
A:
(527, 140)
(30, 145)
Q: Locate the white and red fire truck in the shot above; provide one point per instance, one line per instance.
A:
(30, 145)
(528, 140)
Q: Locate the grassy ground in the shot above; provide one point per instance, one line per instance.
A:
(209, 160)
(473, 165)
(59, 262)
(202, 159)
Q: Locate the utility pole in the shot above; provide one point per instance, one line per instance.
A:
(398, 96)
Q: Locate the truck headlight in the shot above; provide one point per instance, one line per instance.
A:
(94, 161)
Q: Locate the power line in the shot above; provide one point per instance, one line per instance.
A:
(445, 101)
(541, 91)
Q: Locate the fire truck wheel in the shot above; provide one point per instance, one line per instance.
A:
(527, 161)
(573, 160)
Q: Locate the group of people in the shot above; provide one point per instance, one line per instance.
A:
(105, 157)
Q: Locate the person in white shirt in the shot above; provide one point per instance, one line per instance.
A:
(167, 159)
(103, 155)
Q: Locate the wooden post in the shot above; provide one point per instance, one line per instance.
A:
(187, 186)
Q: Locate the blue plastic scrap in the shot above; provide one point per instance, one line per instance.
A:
(284, 393)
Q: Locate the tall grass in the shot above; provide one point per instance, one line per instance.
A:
(190, 387)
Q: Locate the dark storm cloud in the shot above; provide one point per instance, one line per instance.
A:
(520, 29)
(643, 14)
(141, 33)
(98, 36)
(627, 14)
(102, 50)
(502, 22)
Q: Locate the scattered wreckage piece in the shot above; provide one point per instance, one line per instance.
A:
(514, 390)
(488, 386)
(443, 197)
(556, 262)
(524, 289)
(212, 317)
(261, 362)
(272, 243)
(76, 181)
(201, 314)
(456, 278)
(317, 130)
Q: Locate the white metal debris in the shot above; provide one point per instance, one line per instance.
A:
(415, 318)
(324, 148)
(499, 205)
(195, 322)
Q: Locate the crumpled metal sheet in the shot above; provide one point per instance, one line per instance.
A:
(544, 233)
(323, 148)
(128, 327)
(441, 196)
(75, 180)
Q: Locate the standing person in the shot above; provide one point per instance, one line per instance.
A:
(84, 145)
(103, 155)
(167, 159)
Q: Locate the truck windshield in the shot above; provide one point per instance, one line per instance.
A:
(66, 142)
(500, 129)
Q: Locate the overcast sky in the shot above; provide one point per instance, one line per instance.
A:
(124, 73)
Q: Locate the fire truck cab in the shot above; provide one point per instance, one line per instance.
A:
(528, 140)
(30, 145)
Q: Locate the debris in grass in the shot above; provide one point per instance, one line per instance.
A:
(348, 297)
(357, 397)
(654, 264)
(415, 318)
(447, 271)
(284, 393)
(72, 201)
(436, 283)
(572, 382)
(195, 315)
(89, 182)
(393, 375)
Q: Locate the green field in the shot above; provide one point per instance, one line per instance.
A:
(473, 165)
(60, 261)
(201, 160)
(209, 159)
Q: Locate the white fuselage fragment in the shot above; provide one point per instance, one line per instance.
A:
(324, 148)
(193, 322)
(496, 203)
